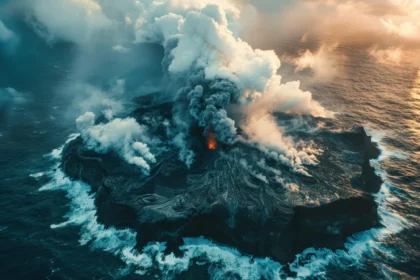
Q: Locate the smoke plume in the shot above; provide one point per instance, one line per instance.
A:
(221, 71)
(123, 136)
(209, 73)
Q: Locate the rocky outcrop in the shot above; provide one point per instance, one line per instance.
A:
(329, 225)
(368, 180)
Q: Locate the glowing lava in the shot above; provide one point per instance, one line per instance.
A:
(211, 140)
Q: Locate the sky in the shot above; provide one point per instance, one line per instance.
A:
(388, 31)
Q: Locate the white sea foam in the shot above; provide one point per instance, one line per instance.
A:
(223, 261)
(56, 153)
(377, 137)
(83, 213)
(37, 175)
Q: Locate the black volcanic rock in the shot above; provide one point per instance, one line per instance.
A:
(329, 225)
(218, 199)
(369, 177)
(368, 180)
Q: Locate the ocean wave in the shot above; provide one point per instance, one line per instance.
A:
(56, 153)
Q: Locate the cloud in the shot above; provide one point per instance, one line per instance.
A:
(209, 70)
(9, 98)
(185, 153)
(109, 102)
(220, 68)
(325, 62)
(123, 136)
(360, 24)
(269, 138)
(405, 29)
(71, 20)
(387, 56)
(219, 71)
(120, 49)
(406, 25)
(287, 98)
(6, 35)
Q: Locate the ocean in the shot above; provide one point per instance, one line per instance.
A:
(48, 224)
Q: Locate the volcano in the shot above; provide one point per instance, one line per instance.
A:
(221, 198)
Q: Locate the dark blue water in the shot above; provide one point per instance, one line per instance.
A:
(48, 228)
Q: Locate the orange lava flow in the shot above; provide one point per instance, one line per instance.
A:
(211, 140)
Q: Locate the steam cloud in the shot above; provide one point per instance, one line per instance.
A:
(123, 136)
(270, 138)
(110, 102)
(5, 33)
(71, 20)
(221, 69)
(217, 70)
(9, 97)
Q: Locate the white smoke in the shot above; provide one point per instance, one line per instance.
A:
(207, 38)
(9, 99)
(203, 48)
(269, 138)
(109, 102)
(71, 20)
(186, 155)
(123, 136)
(10, 96)
(205, 44)
(254, 173)
(120, 49)
(391, 55)
(325, 62)
(5, 33)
